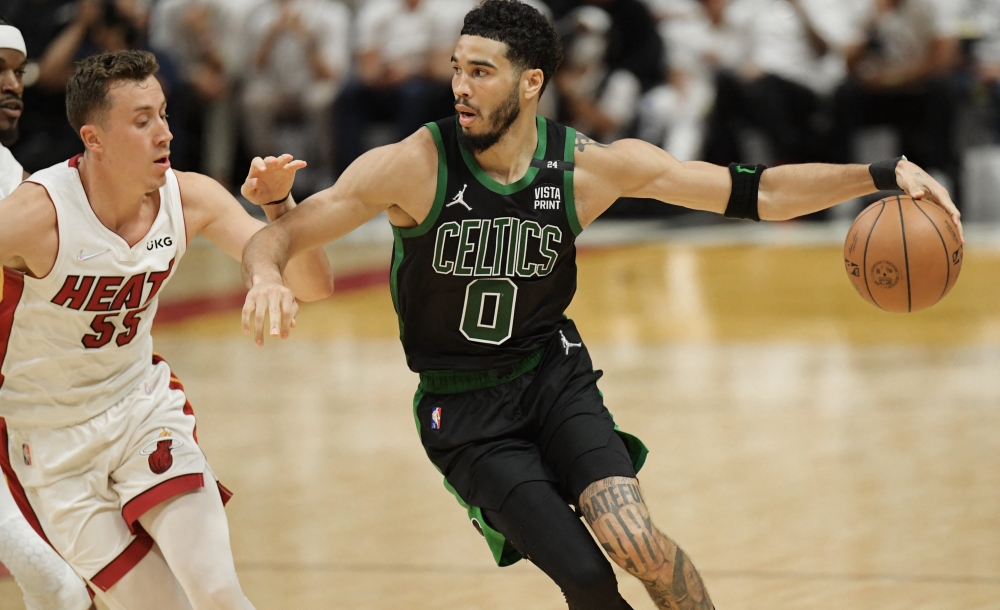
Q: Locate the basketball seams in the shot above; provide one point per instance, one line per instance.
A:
(947, 260)
(864, 268)
(906, 256)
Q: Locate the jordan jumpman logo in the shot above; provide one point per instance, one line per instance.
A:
(460, 199)
(566, 344)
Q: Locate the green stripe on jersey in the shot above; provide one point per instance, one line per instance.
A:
(439, 194)
(528, 178)
(568, 155)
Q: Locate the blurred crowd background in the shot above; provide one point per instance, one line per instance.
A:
(769, 81)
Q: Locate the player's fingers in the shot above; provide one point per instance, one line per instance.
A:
(250, 188)
(258, 164)
(296, 165)
(288, 310)
(271, 162)
(956, 218)
(259, 311)
(247, 312)
(943, 199)
(274, 312)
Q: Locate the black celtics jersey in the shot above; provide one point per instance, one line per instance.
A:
(483, 281)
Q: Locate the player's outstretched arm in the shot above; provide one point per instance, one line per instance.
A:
(399, 178)
(210, 211)
(633, 168)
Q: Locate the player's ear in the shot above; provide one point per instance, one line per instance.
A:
(91, 138)
(531, 83)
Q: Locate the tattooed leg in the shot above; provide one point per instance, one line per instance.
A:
(615, 510)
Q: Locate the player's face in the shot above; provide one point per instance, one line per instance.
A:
(11, 88)
(135, 135)
(487, 90)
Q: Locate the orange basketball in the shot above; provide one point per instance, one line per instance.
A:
(903, 255)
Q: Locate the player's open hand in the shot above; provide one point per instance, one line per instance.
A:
(278, 302)
(270, 178)
(920, 185)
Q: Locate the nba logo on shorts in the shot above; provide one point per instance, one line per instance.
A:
(26, 452)
(436, 418)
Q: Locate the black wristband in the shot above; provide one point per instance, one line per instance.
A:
(884, 174)
(282, 200)
(743, 197)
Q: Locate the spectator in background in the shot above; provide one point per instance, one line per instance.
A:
(403, 69)
(900, 75)
(633, 42)
(299, 55)
(701, 39)
(47, 25)
(58, 33)
(596, 100)
(986, 53)
(795, 62)
(198, 35)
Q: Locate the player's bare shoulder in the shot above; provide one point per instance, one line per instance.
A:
(200, 198)
(29, 230)
(400, 177)
(629, 168)
(601, 172)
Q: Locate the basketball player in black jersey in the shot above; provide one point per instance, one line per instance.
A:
(485, 207)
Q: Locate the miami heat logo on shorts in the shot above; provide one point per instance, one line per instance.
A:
(160, 457)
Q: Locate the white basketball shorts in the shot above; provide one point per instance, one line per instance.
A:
(84, 487)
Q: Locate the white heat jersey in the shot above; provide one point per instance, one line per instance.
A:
(11, 172)
(77, 341)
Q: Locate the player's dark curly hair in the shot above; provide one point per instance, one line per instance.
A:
(87, 91)
(531, 39)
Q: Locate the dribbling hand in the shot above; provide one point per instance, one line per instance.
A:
(280, 305)
(270, 178)
(922, 186)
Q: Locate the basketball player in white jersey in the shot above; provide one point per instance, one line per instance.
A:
(97, 439)
(47, 582)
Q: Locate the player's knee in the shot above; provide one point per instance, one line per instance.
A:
(617, 514)
(221, 594)
(643, 563)
(211, 588)
(590, 585)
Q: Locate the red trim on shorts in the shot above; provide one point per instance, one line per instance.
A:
(175, 384)
(126, 560)
(225, 493)
(16, 490)
(140, 505)
(13, 288)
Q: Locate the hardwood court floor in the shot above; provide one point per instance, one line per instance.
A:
(807, 450)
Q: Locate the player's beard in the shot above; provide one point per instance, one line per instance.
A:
(9, 136)
(9, 132)
(500, 121)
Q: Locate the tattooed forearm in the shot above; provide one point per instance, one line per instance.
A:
(617, 514)
(582, 142)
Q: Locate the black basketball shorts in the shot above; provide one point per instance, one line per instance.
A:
(548, 423)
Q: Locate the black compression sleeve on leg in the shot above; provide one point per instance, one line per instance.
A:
(542, 527)
(743, 198)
